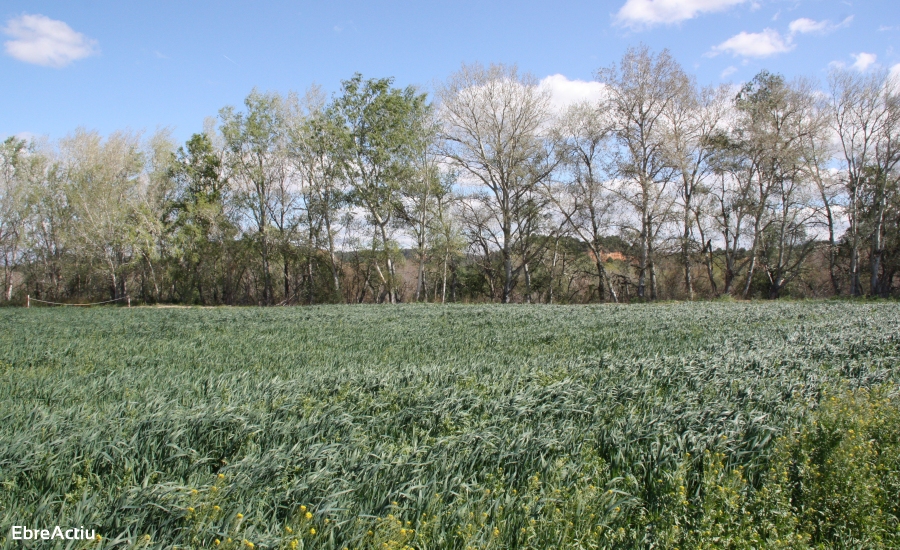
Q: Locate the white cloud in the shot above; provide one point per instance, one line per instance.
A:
(565, 92)
(729, 71)
(805, 25)
(863, 60)
(43, 41)
(646, 13)
(754, 44)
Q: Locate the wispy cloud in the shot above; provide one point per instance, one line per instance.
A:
(344, 26)
(754, 44)
(730, 70)
(43, 41)
(639, 14)
(804, 25)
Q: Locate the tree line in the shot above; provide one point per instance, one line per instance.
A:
(659, 189)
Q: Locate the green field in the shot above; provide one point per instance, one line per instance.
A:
(646, 426)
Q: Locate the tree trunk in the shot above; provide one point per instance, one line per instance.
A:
(709, 268)
(686, 255)
(507, 266)
(644, 260)
(832, 245)
(552, 270)
(310, 277)
(286, 275)
(877, 254)
(390, 281)
(444, 280)
(527, 296)
(753, 249)
(420, 279)
(855, 284)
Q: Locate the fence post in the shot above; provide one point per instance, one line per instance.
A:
(129, 301)
(28, 300)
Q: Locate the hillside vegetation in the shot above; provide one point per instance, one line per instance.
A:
(708, 425)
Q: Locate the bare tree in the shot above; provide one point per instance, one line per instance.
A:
(884, 183)
(493, 119)
(817, 154)
(776, 121)
(444, 228)
(693, 119)
(48, 224)
(14, 163)
(732, 210)
(418, 195)
(582, 198)
(103, 188)
(859, 116)
(642, 89)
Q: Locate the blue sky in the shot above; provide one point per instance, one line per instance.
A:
(108, 66)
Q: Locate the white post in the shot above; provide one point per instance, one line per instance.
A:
(28, 300)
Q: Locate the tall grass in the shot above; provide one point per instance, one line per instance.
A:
(432, 427)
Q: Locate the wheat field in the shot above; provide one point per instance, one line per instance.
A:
(707, 425)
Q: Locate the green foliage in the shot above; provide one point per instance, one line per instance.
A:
(379, 135)
(847, 485)
(674, 426)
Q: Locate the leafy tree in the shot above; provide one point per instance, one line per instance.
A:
(380, 132)
(256, 141)
(200, 228)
